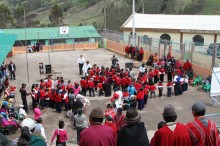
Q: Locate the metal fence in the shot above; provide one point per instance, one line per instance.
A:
(197, 54)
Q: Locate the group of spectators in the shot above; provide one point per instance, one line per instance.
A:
(34, 48)
(130, 91)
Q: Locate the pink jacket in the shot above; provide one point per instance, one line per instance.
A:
(37, 113)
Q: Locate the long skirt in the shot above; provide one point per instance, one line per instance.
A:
(169, 91)
(140, 104)
(145, 99)
(58, 107)
(108, 90)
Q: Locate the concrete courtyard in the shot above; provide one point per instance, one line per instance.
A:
(65, 62)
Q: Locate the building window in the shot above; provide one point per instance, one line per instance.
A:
(165, 37)
(145, 39)
(198, 40)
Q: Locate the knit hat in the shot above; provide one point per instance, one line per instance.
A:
(198, 107)
(169, 110)
(132, 116)
(96, 113)
(28, 122)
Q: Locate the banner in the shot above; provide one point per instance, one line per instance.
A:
(64, 30)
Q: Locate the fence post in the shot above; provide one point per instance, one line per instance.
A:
(214, 52)
(150, 44)
(165, 47)
(170, 48)
(139, 38)
(160, 50)
(182, 50)
(192, 51)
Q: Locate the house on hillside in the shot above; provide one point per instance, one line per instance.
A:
(54, 35)
(201, 29)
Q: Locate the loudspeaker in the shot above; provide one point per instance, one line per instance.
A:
(129, 65)
(48, 69)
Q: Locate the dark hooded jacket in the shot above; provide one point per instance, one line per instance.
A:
(133, 135)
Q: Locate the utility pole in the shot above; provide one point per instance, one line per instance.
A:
(25, 36)
(143, 8)
(104, 17)
(133, 25)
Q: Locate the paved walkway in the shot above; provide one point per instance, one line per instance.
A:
(65, 62)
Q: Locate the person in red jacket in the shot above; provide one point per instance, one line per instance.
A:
(42, 83)
(69, 86)
(100, 87)
(124, 83)
(58, 101)
(110, 123)
(169, 88)
(156, 75)
(52, 99)
(109, 112)
(42, 95)
(65, 99)
(127, 51)
(173, 133)
(140, 99)
(90, 86)
(162, 72)
(137, 85)
(146, 92)
(83, 84)
(187, 65)
(152, 90)
(141, 54)
(150, 76)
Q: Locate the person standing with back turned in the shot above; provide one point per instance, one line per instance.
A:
(203, 132)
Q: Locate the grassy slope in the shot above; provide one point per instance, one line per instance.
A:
(211, 7)
(85, 16)
(94, 13)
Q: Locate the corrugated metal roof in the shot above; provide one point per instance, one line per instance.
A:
(177, 22)
(53, 32)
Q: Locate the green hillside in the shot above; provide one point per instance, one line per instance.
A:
(43, 13)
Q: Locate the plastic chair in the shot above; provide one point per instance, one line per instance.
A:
(199, 79)
(207, 87)
(195, 81)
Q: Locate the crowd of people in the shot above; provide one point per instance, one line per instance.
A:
(34, 48)
(131, 92)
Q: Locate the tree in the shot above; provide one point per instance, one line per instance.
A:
(19, 12)
(5, 16)
(56, 15)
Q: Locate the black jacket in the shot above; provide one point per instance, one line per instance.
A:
(133, 135)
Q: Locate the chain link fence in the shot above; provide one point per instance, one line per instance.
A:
(203, 55)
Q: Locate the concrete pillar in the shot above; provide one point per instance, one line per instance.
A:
(165, 47)
(150, 43)
(215, 38)
(214, 53)
(160, 50)
(192, 51)
(139, 39)
(170, 49)
(182, 51)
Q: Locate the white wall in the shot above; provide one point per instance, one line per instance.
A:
(175, 38)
